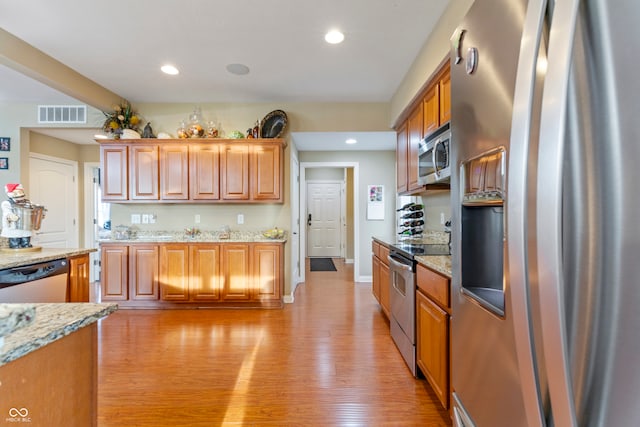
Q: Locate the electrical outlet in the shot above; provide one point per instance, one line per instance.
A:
(145, 218)
(135, 218)
(152, 218)
(442, 220)
(197, 219)
(240, 219)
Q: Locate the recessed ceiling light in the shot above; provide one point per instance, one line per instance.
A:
(170, 69)
(334, 37)
(351, 141)
(238, 69)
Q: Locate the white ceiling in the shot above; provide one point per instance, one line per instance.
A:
(121, 45)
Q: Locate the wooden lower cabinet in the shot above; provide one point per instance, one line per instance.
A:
(143, 272)
(202, 274)
(114, 281)
(78, 289)
(433, 331)
(381, 279)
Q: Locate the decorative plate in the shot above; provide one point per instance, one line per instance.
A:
(274, 124)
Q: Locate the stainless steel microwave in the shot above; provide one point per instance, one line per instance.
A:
(433, 157)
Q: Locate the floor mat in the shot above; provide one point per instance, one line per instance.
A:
(322, 264)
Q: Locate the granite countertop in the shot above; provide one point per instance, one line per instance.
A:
(51, 323)
(439, 263)
(18, 259)
(202, 237)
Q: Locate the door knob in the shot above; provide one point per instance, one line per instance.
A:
(309, 220)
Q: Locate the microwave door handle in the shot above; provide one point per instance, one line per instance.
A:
(435, 155)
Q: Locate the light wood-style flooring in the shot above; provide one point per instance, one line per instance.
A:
(326, 360)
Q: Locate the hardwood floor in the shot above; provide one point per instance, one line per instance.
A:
(326, 360)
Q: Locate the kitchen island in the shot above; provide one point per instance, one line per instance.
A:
(48, 365)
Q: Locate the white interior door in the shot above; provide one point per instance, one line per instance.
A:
(323, 219)
(52, 183)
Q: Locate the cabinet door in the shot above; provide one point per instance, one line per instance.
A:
(266, 172)
(113, 171)
(143, 272)
(415, 136)
(204, 171)
(385, 282)
(234, 169)
(204, 272)
(267, 274)
(174, 173)
(376, 277)
(402, 150)
(236, 273)
(114, 272)
(174, 272)
(445, 96)
(432, 332)
(143, 172)
(78, 279)
(431, 103)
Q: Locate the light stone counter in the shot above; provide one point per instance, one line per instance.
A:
(19, 259)
(51, 323)
(440, 264)
(202, 237)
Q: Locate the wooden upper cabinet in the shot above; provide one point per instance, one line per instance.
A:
(174, 172)
(113, 172)
(266, 172)
(143, 172)
(402, 150)
(445, 95)
(431, 105)
(234, 172)
(414, 125)
(204, 171)
(174, 272)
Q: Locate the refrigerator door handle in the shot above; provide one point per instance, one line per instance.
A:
(549, 212)
(517, 220)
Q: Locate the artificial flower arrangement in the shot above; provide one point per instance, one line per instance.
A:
(122, 117)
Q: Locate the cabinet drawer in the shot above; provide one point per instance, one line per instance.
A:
(434, 285)
(384, 253)
(375, 248)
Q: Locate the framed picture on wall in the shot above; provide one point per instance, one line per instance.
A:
(5, 143)
(4, 163)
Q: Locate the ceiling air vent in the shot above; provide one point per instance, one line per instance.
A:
(62, 114)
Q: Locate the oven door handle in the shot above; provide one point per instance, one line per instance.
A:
(397, 265)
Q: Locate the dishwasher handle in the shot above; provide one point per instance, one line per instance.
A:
(29, 273)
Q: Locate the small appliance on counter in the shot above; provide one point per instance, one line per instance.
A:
(20, 218)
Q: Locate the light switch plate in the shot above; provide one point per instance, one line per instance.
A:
(135, 218)
(240, 219)
(197, 219)
(145, 218)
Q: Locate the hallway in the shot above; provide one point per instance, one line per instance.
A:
(327, 359)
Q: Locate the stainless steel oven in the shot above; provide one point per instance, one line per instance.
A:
(403, 307)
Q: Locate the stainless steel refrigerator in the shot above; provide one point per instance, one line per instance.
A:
(545, 208)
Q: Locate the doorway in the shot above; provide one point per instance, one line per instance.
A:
(325, 211)
(52, 183)
(353, 170)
